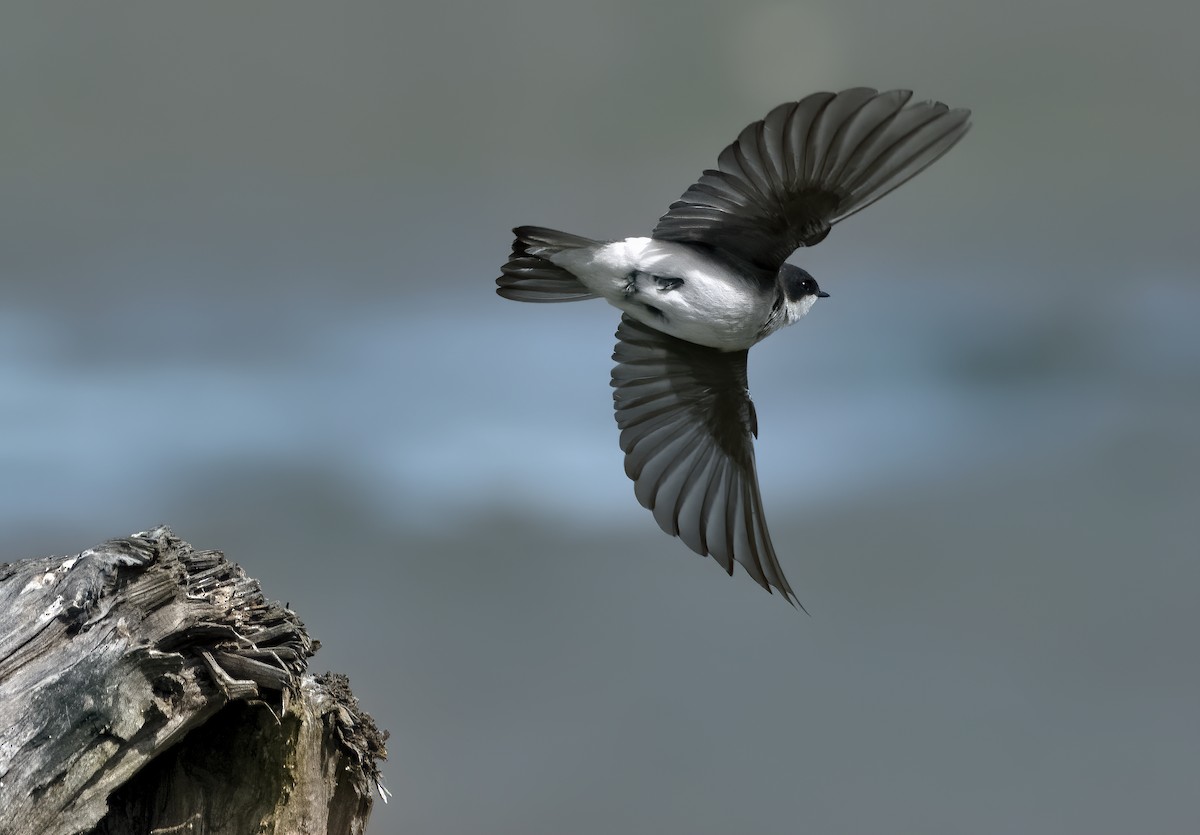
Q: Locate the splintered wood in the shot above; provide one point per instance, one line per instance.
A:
(146, 686)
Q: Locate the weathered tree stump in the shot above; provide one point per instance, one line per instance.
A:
(147, 687)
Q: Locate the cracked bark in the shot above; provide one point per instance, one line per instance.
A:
(148, 687)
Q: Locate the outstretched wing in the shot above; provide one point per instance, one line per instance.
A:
(687, 427)
(807, 165)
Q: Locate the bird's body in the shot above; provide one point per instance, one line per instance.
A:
(676, 288)
(710, 282)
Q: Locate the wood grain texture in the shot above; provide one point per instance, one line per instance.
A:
(146, 686)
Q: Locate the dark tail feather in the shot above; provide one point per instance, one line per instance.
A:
(530, 277)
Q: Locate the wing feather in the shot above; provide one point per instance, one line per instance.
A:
(687, 428)
(807, 165)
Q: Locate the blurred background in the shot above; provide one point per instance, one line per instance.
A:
(248, 254)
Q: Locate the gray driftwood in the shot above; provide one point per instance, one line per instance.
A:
(147, 687)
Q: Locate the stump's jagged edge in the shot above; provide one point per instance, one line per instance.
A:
(112, 658)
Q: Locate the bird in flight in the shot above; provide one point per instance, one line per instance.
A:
(711, 281)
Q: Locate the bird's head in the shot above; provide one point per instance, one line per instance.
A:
(800, 291)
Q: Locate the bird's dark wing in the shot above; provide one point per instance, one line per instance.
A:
(807, 165)
(687, 427)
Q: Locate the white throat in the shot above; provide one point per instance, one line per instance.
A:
(794, 311)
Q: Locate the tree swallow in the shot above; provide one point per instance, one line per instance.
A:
(710, 282)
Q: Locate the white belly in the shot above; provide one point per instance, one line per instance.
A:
(712, 305)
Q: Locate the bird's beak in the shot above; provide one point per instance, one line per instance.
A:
(821, 294)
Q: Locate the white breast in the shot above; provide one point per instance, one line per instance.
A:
(713, 306)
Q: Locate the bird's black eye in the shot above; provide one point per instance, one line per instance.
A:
(798, 284)
(809, 287)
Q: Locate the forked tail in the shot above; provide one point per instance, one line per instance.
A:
(529, 275)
